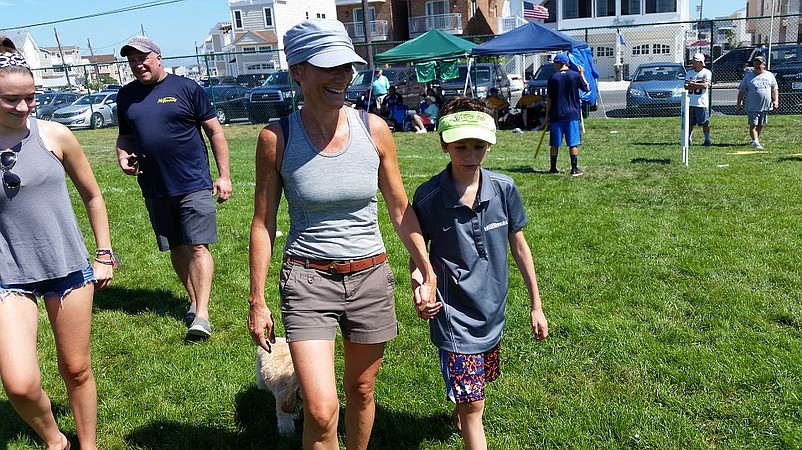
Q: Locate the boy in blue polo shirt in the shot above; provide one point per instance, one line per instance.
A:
(468, 216)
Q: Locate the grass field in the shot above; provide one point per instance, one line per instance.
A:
(673, 295)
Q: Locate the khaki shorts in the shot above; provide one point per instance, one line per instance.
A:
(315, 302)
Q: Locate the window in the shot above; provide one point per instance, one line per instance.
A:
(630, 7)
(661, 49)
(604, 52)
(640, 50)
(265, 48)
(358, 21)
(660, 6)
(605, 8)
(321, 16)
(551, 5)
(268, 12)
(574, 9)
(436, 8)
(249, 49)
(237, 19)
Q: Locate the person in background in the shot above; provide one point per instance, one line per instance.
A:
(563, 111)
(335, 272)
(470, 216)
(499, 106)
(366, 102)
(532, 107)
(757, 94)
(380, 86)
(428, 118)
(160, 142)
(697, 83)
(392, 99)
(43, 255)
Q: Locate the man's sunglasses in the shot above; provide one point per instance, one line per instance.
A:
(11, 180)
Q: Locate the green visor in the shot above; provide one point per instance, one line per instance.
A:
(467, 125)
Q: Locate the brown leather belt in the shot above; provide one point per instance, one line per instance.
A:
(338, 267)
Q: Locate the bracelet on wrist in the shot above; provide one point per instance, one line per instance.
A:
(113, 259)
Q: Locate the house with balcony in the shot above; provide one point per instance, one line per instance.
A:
(257, 27)
(102, 67)
(784, 29)
(387, 19)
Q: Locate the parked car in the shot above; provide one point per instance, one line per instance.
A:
(277, 97)
(540, 79)
(113, 87)
(252, 79)
(403, 78)
(49, 102)
(90, 111)
(516, 82)
(483, 77)
(230, 101)
(656, 86)
(731, 66)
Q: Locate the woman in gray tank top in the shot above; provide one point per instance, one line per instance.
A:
(330, 163)
(42, 254)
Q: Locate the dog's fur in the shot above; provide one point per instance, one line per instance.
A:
(275, 373)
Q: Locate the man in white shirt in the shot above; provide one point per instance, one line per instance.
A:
(697, 83)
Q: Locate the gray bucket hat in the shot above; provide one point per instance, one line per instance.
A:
(140, 43)
(320, 42)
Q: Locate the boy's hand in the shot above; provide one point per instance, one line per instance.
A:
(540, 327)
(425, 307)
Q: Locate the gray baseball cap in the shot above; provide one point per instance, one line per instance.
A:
(759, 58)
(142, 44)
(320, 42)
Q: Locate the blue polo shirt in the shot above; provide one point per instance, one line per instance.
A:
(468, 250)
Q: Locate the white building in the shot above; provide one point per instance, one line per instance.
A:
(636, 45)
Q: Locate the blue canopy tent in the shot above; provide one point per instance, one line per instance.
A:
(535, 38)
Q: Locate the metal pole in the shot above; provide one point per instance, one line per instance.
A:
(366, 26)
(771, 36)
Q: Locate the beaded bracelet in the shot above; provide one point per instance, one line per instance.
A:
(113, 262)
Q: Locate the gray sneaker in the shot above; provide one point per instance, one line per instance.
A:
(201, 329)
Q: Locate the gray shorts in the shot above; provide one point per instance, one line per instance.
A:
(315, 302)
(189, 219)
(699, 115)
(755, 118)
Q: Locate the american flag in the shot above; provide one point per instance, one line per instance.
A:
(533, 11)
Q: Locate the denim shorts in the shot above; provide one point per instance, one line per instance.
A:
(59, 287)
(699, 115)
(568, 129)
(315, 302)
(467, 375)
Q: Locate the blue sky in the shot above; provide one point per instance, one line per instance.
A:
(176, 27)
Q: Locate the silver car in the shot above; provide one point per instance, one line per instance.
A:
(90, 111)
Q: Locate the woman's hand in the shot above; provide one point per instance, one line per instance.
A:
(259, 320)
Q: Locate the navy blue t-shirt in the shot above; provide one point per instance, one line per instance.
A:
(165, 120)
(563, 90)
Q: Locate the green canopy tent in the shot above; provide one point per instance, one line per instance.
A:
(434, 45)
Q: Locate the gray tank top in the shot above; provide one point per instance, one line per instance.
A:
(332, 197)
(39, 236)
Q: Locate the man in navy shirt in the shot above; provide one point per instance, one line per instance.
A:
(563, 112)
(160, 117)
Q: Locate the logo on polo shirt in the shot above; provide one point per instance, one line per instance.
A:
(493, 226)
(167, 100)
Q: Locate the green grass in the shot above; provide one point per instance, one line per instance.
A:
(672, 292)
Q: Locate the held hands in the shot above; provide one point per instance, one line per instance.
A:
(540, 327)
(259, 320)
(425, 297)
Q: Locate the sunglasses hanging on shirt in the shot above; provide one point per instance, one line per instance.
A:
(8, 158)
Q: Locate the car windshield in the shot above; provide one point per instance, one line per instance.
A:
(659, 73)
(481, 74)
(277, 78)
(87, 99)
(43, 99)
(362, 79)
(544, 72)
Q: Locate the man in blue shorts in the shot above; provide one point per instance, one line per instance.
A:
(160, 117)
(697, 83)
(563, 110)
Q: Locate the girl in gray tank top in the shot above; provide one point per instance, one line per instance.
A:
(42, 253)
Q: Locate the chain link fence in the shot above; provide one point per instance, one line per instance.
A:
(235, 80)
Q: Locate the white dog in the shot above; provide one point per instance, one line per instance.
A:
(274, 373)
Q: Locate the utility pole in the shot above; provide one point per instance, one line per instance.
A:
(94, 64)
(701, 8)
(63, 62)
(366, 26)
